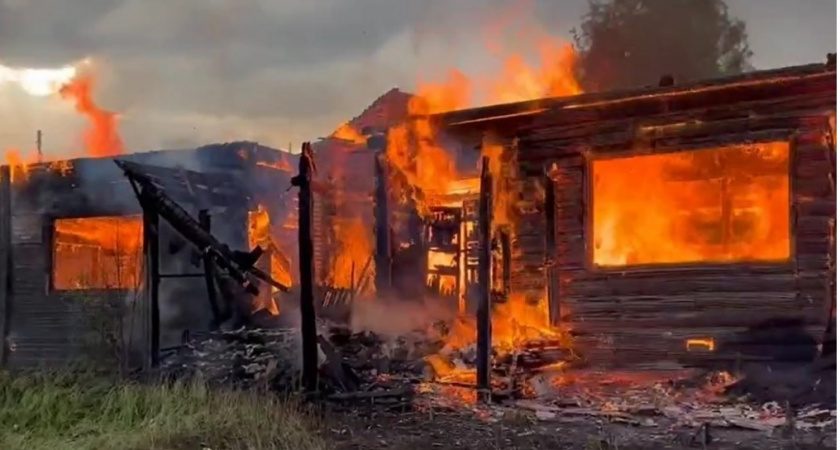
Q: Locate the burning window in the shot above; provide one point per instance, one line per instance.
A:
(726, 204)
(97, 253)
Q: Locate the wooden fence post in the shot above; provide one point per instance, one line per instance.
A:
(151, 252)
(309, 332)
(5, 258)
(483, 311)
(382, 261)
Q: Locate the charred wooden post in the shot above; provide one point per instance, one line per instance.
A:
(552, 274)
(151, 252)
(382, 260)
(483, 319)
(309, 333)
(210, 272)
(5, 256)
(238, 264)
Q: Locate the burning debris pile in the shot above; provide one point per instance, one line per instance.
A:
(354, 364)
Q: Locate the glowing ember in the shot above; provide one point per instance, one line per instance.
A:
(719, 205)
(97, 253)
(707, 344)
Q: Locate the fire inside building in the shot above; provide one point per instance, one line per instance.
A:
(76, 239)
(659, 227)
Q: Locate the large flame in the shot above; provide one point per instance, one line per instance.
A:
(513, 322)
(100, 138)
(260, 233)
(97, 253)
(419, 161)
(353, 248)
(719, 205)
(427, 172)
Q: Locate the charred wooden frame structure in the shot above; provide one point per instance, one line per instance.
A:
(43, 326)
(644, 315)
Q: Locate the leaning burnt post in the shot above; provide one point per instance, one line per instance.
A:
(382, 260)
(483, 320)
(309, 333)
(551, 272)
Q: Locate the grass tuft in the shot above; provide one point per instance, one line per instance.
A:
(79, 411)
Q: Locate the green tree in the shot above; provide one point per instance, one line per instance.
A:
(632, 43)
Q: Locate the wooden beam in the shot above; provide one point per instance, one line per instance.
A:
(483, 311)
(383, 228)
(551, 272)
(5, 257)
(309, 332)
(151, 252)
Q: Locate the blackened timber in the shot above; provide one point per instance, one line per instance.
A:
(151, 252)
(383, 228)
(309, 332)
(483, 319)
(552, 274)
(236, 263)
(209, 272)
(5, 256)
(762, 84)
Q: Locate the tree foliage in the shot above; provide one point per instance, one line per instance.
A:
(632, 43)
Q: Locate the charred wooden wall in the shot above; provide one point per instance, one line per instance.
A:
(644, 315)
(45, 326)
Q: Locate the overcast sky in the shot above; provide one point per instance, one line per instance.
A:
(185, 72)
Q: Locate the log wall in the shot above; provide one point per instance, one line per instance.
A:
(643, 315)
(48, 327)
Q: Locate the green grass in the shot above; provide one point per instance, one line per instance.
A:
(85, 412)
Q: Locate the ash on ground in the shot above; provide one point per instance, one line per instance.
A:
(541, 378)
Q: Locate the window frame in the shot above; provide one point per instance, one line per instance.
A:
(49, 237)
(591, 156)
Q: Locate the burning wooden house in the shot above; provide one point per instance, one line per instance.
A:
(656, 224)
(343, 228)
(73, 240)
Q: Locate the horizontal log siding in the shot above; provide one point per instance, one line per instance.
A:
(644, 316)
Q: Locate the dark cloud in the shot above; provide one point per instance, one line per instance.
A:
(280, 70)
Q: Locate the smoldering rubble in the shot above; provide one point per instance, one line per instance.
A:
(415, 368)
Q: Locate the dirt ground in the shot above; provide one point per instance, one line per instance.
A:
(467, 430)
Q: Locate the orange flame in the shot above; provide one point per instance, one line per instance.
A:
(415, 155)
(260, 233)
(98, 253)
(719, 205)
(102, 137)
(348, 133)
(513, 323)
